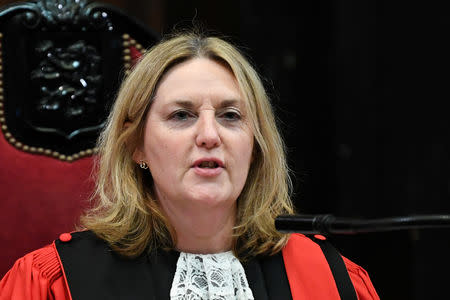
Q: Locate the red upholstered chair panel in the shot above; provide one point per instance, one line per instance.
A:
(40, 197)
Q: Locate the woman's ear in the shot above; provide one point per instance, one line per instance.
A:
(138, 156)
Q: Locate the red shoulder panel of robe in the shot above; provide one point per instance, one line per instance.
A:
(38, 276)
(310, 276)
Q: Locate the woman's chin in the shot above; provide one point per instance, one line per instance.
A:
(209, 196)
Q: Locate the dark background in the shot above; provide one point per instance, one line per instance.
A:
(361, 90)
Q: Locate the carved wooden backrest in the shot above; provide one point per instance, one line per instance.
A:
(61, 63)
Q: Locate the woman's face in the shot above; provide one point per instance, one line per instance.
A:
(197, 142)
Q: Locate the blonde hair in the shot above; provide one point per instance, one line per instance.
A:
(126, 213)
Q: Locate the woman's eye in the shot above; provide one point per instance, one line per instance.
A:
(231, 116)
(181, 115)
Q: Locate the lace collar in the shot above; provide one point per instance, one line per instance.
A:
(217, 276)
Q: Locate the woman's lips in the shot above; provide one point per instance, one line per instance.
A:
(202, 166)
(207, 172)
(198, 162)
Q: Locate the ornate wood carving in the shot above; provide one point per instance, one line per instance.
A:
(62, 61)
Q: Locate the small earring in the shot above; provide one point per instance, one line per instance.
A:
(143, 164)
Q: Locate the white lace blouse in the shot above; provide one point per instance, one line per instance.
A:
(217, 276)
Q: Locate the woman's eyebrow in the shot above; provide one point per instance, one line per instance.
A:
(223, 104)
(230, 102)
(183, 103)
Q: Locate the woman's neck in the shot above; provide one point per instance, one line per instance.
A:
(202, 230)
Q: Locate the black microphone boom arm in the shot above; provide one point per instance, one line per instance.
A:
(329, 225)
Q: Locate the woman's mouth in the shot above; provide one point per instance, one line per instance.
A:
(208, 164)
(208, 167)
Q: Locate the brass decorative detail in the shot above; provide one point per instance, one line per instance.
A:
(129, 43)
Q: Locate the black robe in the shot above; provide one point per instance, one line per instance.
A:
(94, 271)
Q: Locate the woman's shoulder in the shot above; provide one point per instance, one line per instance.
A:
(34, 276)
(82, 238)
(308, 247)
(302, 253)
(43, 262)
(305, 260)
(301, 246)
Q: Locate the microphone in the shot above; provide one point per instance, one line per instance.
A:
(327, 224)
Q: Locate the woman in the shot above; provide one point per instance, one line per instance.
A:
(191, 176)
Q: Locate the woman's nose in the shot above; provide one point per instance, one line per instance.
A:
(208, 131)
